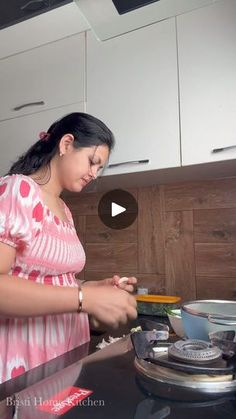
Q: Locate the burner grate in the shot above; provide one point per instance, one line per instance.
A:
(194, 351)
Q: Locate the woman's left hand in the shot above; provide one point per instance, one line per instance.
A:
(125, 283)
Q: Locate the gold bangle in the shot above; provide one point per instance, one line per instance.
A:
(80, 299)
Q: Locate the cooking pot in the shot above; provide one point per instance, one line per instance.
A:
(204, 316)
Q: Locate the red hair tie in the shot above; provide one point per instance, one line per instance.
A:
(44, 135)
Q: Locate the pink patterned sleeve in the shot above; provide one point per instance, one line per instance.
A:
(21, 211)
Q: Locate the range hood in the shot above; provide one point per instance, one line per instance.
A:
(111, 18)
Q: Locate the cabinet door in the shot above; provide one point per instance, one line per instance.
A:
(132, 87)
(17, 135)
(48, 27)
(43, 78)
(207, 72)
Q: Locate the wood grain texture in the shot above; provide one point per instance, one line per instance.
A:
(219, 193)
(183, 230)
(218, 260)
(112, 257)
(154, 282)
(80, 226)
(214, 287)
(83, 204)
(80, 275)
(97, 232)
(215, 226)
(179, 250)
(151, 258)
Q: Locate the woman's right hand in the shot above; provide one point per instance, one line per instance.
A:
(108, 305)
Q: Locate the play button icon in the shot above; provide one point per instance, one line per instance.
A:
(118, 209)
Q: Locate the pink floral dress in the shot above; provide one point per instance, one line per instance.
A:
(49, 252)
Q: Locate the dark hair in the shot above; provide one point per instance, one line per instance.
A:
(87, 130)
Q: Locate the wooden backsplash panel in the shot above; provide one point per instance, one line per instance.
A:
(154, 282)
(179, 249)
(80, 223)
(215, 226)
(97, 232)
(114, 257)
(151, 256)
(219, 193)
(218, 260)
(183, 241)
(216, 288)
(82, 204)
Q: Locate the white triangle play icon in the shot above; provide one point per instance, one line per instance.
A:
(116, 209)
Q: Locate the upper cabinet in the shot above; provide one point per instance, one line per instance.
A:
(132, 86)
(17, 135)
(150, 86)
(47, 27)
(207, 80)
(42, 78)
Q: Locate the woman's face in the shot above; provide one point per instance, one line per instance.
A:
(78, 167)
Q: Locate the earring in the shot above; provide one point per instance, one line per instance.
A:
(61, 154)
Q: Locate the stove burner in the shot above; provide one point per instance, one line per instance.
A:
(194, 351)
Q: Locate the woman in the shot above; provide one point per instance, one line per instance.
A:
(43, 310)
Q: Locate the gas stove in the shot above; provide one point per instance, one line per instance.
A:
(112, 376)
(186, 370)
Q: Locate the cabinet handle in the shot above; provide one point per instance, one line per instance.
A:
(34, 5)
(25, 105)
(218, 150)
(145, 161)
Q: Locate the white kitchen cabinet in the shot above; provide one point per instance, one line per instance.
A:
(18, 134)
(47, 27)
(207, 80)
(42, 78)
(132, 86)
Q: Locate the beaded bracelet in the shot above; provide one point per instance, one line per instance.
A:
(80, 299)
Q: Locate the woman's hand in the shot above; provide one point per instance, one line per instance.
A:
(125, 283)
(109, 305)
